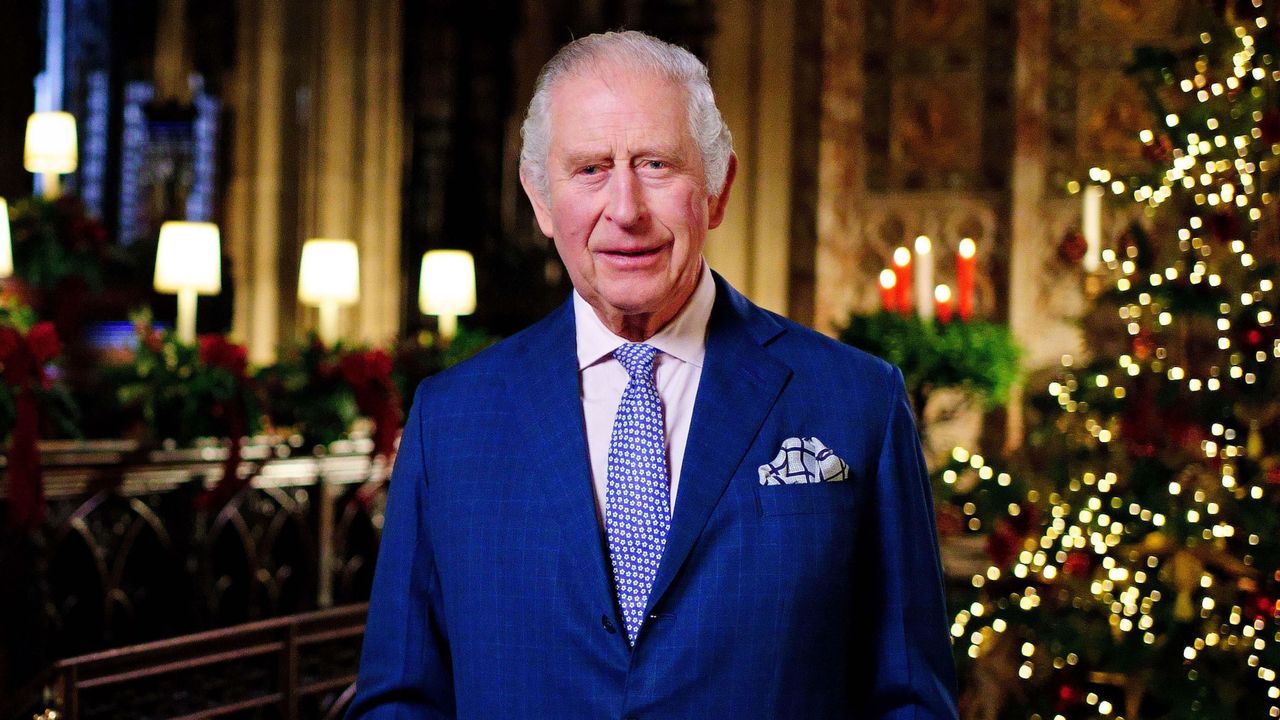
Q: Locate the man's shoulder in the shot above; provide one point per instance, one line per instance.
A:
(808, 351)
(488, 370)
(818, 363)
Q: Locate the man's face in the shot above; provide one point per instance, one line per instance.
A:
(627, 202)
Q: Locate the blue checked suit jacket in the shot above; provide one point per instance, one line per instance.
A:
(493, 598)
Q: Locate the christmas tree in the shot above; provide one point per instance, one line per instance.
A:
(1135, 544)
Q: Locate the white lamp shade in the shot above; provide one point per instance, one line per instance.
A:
(51, 143)
(448, 283)
(189, 258)
(329, 272)
(6, 244)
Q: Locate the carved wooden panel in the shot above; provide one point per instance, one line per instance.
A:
(938, 78)
(1095, 108)
(1129, 20)
(127, 555)
(1110, 114)
(115, 573)
(925, 23)
(258, 555)
(936, 134)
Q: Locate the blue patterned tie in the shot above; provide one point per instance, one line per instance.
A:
(638, 501)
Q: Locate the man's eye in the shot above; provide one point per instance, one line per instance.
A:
(655, 165)
(590, 170)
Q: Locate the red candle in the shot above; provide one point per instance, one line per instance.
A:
(888, 290)
(902, 287)
(942, 303)
(965, 260)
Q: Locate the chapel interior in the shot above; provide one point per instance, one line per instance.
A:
(228, 547)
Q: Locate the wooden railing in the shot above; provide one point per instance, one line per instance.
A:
(300, 666)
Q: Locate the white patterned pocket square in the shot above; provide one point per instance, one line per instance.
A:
(803, 460)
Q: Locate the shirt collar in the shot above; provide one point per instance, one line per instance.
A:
(684, 338)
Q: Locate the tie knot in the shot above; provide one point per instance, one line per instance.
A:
(637, 358)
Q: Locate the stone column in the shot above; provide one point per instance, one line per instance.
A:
(734, 78)
(341, 157)
(751, 61)
(378, 201)
(236, 232)
(842, 171)
(770, 261)
(329, 189)
(331, 206)
(1030, 162)
(253, 203)
(173, 65)
(351, 186)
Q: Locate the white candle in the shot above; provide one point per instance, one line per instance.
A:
(1091, 227)
(924, 277)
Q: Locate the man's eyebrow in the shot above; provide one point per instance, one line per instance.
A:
(590, 156)
(664, 150)
(585, 156)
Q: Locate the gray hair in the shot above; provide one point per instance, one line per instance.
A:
(637, 51)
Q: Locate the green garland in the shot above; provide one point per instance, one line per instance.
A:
(977, 356)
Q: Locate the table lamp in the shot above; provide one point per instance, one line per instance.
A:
(188, 263)
(50, 149)
(447, 288)
(6, 244)
(329, 278)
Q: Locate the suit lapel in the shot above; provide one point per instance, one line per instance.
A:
(557, 444)
(739, 384)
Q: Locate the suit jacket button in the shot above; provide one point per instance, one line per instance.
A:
(608, 624)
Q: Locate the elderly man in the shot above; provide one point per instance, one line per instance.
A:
(660, 501)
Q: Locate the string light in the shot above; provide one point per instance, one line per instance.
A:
(1141, 561)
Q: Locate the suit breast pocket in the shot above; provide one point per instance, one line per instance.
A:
(806, 498)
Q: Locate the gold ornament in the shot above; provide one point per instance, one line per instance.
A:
(1155, 542)
(1186, 570)
(1254, 446)
(1257, 414)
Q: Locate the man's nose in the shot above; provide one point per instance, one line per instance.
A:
(626, 199)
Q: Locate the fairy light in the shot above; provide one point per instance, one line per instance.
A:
(1222, 169)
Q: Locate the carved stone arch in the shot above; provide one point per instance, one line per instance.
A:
(885, 229)
(977, 221)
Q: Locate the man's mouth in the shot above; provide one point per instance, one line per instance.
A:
(632, 259)
(641, 252)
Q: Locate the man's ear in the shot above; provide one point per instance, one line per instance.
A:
(541, 210)
(717, 203)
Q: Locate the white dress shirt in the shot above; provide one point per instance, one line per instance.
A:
(682, 345)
